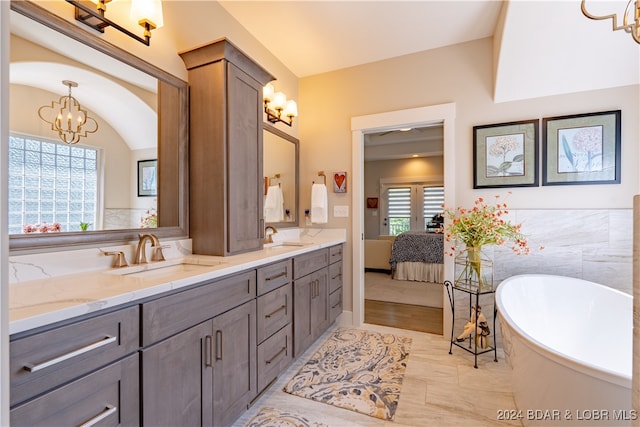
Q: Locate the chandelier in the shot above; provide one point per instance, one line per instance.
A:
(276, 106)
(630, 19)
(67, 117)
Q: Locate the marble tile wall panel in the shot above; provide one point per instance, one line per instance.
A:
(594, 245)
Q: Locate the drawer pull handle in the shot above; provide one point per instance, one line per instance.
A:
(277, 276)
(335, 277)
(337, 304)
(218, 345)
(34, 368)
(270, 361)
(108, 410)
(282, 307)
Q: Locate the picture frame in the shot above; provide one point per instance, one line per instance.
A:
(339, 182)
(148, 178)
(506, 154)
(582, 149)
(372, 203)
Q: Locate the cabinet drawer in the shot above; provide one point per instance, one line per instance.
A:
(105, 397)
(46, 360)
(273, 276)
(335, 254)
(275, 310)
(335, 276)
(308, 263)
(175, 313)
(274, 355)
(335, 305)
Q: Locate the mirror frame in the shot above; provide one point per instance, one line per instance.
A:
(274, 130)
(42, 241)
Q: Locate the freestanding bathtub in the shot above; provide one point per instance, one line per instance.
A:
(569, 345)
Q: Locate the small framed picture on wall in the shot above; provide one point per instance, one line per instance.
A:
(147, 178)
(339, 182)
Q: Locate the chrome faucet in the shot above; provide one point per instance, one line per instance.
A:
(268, 238)
(141, 256)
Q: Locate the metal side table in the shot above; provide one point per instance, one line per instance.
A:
(472, 339)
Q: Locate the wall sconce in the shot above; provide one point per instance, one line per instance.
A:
(148, 13)
(276, 106)
(67, 117)
(632, 11)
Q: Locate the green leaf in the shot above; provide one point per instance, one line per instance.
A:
(492, 170)
(518, 158)
(504, 166)
(567, 150)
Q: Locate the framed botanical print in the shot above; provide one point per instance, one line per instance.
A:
(506, 154)
(581, 149)
(147, 178)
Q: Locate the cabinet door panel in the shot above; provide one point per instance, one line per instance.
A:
(302, 326)
(320, 303)
(244, 154)
(234, 363)
(109, 396)
(177, 380)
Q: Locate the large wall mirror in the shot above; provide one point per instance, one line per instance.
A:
(136, 160)
(280, 166)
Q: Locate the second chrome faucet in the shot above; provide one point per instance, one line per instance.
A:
(141, 256)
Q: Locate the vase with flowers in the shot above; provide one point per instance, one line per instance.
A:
(483, 224)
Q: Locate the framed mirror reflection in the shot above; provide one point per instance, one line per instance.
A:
(87, 192)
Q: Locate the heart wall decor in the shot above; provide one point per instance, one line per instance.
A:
(340, 182)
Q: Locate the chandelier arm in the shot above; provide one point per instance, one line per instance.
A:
(613, 16)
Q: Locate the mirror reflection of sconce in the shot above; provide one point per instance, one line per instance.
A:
(276, 105)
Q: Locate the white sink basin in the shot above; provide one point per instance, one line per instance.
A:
(163, 268)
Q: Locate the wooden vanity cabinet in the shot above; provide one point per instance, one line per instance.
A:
(310, 298)
(200, 373)
(275, 316)
(81, 371)
(335, 282)
(225, 149)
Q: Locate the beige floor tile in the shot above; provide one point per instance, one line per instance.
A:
(439, 389)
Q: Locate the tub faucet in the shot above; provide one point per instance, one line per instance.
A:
(268, 238)
(141, 256)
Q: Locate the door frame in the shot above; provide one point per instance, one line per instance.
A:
(381, 122)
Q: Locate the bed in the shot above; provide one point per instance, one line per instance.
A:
(418, 256)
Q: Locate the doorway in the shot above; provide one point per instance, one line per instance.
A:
(417, 117)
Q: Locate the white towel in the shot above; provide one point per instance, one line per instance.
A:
(274, 204)
(319, 205)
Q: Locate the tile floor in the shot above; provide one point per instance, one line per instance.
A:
(439, 389)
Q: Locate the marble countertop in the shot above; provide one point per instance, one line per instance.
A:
(40, 302)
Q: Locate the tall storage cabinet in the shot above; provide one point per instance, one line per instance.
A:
(225, 149)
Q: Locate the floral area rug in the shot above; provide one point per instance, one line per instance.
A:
(357, 370)
(271, 417)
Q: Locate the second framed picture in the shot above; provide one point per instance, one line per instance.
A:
(581, 149)
(506, 155)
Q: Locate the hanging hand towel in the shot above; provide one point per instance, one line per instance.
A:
(319, 205)
(274, 204)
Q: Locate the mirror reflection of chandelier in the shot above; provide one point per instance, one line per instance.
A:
(67, 117)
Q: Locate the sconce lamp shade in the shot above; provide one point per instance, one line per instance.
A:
(291, 109)
(267, 92)
(276, 103)
(148, 10)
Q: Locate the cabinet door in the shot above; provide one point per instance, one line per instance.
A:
(234, 363)
(302, 329)
(320, 303)
(177, 379)
(244, 154)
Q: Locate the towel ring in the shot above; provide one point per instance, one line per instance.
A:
(324, 177)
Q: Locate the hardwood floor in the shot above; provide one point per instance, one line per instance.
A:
(404, 316)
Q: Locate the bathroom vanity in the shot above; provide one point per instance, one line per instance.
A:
(196, 348)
